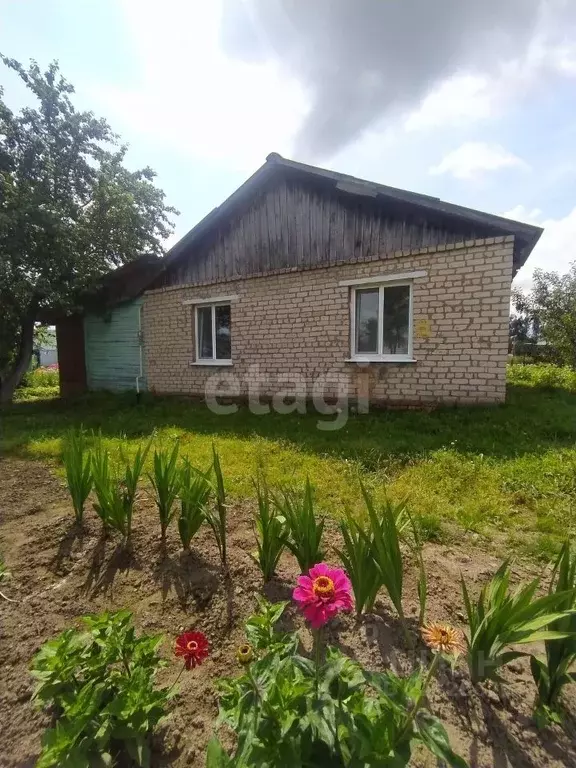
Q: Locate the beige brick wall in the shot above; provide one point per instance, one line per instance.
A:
(298, 323)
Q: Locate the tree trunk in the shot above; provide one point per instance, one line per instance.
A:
(22, 362)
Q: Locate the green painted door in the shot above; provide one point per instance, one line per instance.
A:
(114, 352)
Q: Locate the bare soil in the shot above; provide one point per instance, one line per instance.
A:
(60, 573)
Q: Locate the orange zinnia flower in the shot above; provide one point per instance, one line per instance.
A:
(442, 638)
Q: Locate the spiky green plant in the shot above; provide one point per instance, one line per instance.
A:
(270, 531)
(303, 535)
(115, 498)
(217, 517)
(383, 536)
(357, 556)
(77, 463)
(552, 674)
(500, 618)
(165, 480)
(195, 490)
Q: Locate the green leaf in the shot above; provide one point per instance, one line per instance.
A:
(216, 757)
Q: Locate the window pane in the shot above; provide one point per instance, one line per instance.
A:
(396, 320)
(205, 332)
(367, 321)
(223, 345)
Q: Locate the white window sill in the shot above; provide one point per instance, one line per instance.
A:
(384, 359)
(216, 363)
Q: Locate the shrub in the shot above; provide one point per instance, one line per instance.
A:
(217, 518)
(195, 490)
(77, 462)
(99, 684)
(270, 532)
(303, 532)
(42, 377)
(554, 673)
(500, 618)
(165, 480)
(288, 710)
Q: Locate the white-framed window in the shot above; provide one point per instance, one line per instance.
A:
(213, 333)
(381, 321)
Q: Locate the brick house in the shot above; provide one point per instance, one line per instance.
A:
(304, 273)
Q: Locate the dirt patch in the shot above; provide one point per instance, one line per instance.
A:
(61, 572)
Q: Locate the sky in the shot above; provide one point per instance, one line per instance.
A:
(471, 102)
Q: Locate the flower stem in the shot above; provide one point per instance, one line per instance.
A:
(318, 636)
(177, 678)
(418, 703)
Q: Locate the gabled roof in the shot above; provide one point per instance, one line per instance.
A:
(526, 235)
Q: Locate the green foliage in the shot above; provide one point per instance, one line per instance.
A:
(100, 686)
(549, 309)
(542, 376)
(286, 712)
(217, 518)
(303, 535)
(358, 556)
(270, 532)
(383, 536)
(115, 499)
(261, 632)
(165, 480)
(500, 618)
(77, 463)
(195, 490)
(554, 673)
(69, 209)
(41, 377)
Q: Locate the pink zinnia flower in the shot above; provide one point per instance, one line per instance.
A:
(323, 593)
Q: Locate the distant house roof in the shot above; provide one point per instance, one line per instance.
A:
(526, 235)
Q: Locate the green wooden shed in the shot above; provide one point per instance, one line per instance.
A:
(113, 349)
(102, 347)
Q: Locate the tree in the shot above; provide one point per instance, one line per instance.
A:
(549, 311)
(69, 211)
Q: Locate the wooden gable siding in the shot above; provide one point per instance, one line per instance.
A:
(112, 344)
(294, 226)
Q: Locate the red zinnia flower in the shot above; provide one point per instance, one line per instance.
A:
(193, 647)
(323, 593)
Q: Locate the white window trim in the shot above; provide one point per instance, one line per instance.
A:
(380, 357)
(213, 300)
(223, 301)
(382, 279)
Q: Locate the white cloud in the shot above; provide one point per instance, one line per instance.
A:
(555, 250)
(475, 157)
(189, 97)
(458, 100)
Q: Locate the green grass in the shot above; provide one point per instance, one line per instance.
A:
(505, 469)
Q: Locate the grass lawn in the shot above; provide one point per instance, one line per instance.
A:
(499, 470)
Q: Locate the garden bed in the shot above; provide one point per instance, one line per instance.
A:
(61, 572)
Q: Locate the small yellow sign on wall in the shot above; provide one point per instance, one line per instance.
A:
(422, 329)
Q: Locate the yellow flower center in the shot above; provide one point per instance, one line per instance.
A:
(192, 645)
(323, 586)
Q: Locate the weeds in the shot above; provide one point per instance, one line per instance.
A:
(303, 535)
(270, 532)
(165, 480)
(77, 462)
(195, 490)
(217, 518)
(554, 673)
(500, 618)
